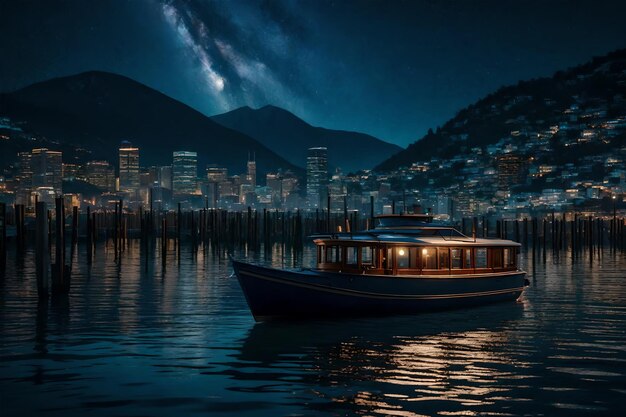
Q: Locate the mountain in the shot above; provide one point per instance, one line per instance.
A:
(577, 112)
(290, 137)
(97, 110)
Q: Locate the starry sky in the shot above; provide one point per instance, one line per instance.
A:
(392, 69)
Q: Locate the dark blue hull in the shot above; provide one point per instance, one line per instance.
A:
(274, 293)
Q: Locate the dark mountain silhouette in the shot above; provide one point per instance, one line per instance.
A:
(566, 99)
(97, 110)
(290, 137)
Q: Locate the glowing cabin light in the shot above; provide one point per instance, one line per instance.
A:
(401, 252)
(424, 252)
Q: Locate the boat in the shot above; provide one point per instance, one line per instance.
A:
(406, 264)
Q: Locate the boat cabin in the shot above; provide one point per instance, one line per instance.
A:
(414, 246)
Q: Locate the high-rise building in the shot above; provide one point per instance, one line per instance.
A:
(317, 175)
(129, 167)
(164, 177)
(24, 178)
(511, 170)
(251, 173)
(184, 172)
(216, 174)
(71, 172)
(47, 169)
(101, 174)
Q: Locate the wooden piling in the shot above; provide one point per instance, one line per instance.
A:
(74, 234)
(3, 238)
(371, 225)
(328, 226)
(60, 274)
(42, 254)
(89, 236)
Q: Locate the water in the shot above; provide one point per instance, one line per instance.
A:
(134, 340)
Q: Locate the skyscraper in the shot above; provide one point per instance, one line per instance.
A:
(317, 175)
(100, 174)
(511, 171)
(164, 177)
(47, 169)
(184, 172)
(251, 174)
(129, 167)
(24, 178)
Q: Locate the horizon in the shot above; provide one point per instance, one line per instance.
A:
(323, 62)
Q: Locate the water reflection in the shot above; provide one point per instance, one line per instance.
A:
(435, 358)
(137, 338)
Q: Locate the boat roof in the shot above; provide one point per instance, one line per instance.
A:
(411, 229)
(435, 236)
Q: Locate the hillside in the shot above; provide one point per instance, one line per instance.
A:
(94, 111)
(290, 137)
(577, 112)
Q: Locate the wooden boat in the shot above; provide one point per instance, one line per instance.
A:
(405, 265)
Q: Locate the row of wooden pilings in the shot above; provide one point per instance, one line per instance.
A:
(557, 233)
(222, 230)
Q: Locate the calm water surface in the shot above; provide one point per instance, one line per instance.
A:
(134, 339)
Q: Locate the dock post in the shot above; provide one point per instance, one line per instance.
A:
(371, 212)
(60, 278)
(88, 230)
(74, 234)
(42, 254)
(179, 220)
(115, 230)
(346, 222)
(3, 238)
(19, 225)
(328, 228)
(164, 240)
(545, 233)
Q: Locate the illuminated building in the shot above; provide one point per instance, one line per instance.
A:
(317, 175)
(24, 178)
(184, 172)
(47, 169)
(101, 174)
(511, 171)
(251, 174)
(129, 167)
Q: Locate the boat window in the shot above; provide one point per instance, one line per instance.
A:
(444, 258)
(468, 258)
(429, 258)
(333, 254)
(402, 258)
(367, 255)
(509, 257)
(496, 258)
(456, 258)
(351, 255)
(481, 258)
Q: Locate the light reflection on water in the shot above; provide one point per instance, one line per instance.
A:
(134, 338)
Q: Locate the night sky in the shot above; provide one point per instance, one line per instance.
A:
(391, 69)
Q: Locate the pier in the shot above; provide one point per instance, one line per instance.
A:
(221, 231)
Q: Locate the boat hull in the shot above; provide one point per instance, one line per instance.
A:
(275, 293)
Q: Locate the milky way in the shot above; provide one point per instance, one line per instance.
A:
(389, 68)
(228, 42)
